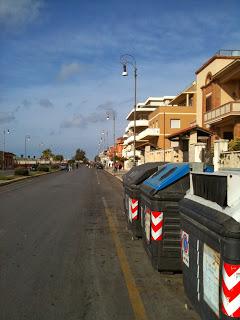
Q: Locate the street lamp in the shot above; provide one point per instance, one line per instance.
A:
(125, 60)
(114, 138)
(4, 144)
(27, 138)
(105, 138)
(40, 149)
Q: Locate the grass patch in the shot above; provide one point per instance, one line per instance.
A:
(6, 178)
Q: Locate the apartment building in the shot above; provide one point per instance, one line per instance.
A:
(180, 113)
(119, 147)
(218, 94)
(143, 134)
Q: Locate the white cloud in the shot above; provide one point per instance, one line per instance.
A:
(19, 12)
(68, 70)
(77, 121)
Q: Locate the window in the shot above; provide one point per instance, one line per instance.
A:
(175, 124)
(208, 78)
(209, 102)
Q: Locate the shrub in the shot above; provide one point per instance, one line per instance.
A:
(55, 166)
(234, 145)
(21, 172)
(43, 168)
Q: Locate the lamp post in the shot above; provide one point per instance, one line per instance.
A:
(4, 145)
(104, 139)
(125, 60)
(40, 149)
(27, 138)
(114, 138)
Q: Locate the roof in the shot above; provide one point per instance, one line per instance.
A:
(7, 153)
(159, 98)
(185, 131)
(189, 89)
(221, 54)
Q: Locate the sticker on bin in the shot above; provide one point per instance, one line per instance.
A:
(133, 209)
(147, 224)
(211, 263)
(185, 248)
(156, 225)
(231, 290)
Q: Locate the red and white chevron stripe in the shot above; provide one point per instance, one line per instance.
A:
(134, 208)
(156, 225)
(231, 290)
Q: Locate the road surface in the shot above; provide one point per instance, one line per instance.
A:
(65, 253)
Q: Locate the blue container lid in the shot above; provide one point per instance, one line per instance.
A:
(167, 175)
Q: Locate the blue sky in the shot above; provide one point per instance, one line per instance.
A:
(60, 70)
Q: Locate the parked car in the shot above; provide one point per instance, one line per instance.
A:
(99, 165)
(63, 166)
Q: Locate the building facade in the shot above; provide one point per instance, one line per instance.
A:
(218, 94)
(179, 114)
(143, 133)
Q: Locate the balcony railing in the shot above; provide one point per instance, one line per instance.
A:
(228, 53)
(149, 132)
(130, 154)
(226, 110)
(139, 123)
(128, 140)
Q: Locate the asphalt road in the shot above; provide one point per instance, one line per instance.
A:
(65, 253)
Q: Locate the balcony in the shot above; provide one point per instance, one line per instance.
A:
(128, 140)
(130, 154)
(140, 111)
(139, 123)
(148, 133)
(224, 111)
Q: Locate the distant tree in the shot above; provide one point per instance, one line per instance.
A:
(97, 158)
(71, 161)
(47, 154)
(80, 155)
(58, 157)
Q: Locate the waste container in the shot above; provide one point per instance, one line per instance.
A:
(132, 181)
(160, 196)
(210, 223)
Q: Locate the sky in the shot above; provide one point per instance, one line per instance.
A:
(60, 70)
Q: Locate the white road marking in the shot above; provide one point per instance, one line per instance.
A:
(97, 178)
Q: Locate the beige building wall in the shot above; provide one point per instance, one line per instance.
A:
(213, 65)
(161, 118)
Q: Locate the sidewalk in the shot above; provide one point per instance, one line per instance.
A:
(117, 174)
(20, 178)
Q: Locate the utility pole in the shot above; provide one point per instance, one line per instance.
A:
(114, 136)
(125, 60)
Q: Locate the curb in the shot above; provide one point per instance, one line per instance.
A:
(112, 174)
(25, 178)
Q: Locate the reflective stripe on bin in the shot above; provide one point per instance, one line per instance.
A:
(134, 208)
(231, 290)
(156, 225)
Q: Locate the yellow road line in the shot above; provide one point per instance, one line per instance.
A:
(134, 295)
